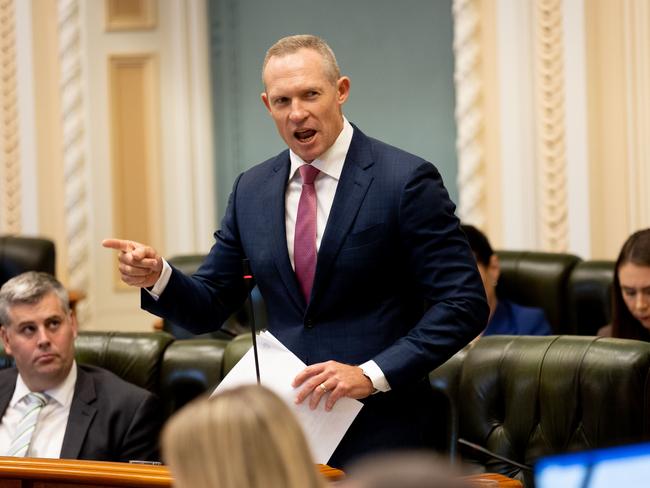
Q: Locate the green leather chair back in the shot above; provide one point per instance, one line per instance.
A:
(235, 351)
(20, 254)
(191, 367)
(525, 397)
(133, 356)
(590, 296)
(538, 279)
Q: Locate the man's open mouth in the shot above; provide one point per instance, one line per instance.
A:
(304, 135)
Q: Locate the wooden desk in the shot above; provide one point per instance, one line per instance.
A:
(69, 473)
(503, 481)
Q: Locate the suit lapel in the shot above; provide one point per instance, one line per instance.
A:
(7, 387)
(350, 193)
(276, 203)
(81, 415)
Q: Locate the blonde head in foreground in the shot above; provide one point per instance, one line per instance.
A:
(244, 437)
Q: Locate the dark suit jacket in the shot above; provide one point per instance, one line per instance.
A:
(392, 244)
(512, 319)
(110, 419)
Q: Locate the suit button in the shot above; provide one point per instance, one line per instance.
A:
(309, 323)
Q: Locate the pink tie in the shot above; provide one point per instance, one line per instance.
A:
(304, 243)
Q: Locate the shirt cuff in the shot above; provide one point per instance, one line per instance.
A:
(161, 284)
(376, 375)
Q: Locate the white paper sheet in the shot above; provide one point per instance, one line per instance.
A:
(278, 366)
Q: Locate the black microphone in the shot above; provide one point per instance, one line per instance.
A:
(494, 455)
(248, 277)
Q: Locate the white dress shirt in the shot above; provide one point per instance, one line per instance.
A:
(330, 164)
(47, 438)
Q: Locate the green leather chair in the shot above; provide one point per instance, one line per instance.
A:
(590, 296)
(190, 368)
(20, 254)
(538, 279)
(524, 397)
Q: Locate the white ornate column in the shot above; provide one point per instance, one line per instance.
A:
(469, 112)
(550, 118)
(74, 150)
(10, 172)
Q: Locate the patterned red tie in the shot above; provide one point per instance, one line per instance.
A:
(304, 243)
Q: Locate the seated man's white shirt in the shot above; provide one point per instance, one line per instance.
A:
(47, 438)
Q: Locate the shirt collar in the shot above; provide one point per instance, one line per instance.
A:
(62, 393)
(331, 161)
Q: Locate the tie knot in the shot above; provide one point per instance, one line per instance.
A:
(35, 398)
(308, 174)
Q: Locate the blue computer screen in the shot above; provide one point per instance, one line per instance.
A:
(624, 467)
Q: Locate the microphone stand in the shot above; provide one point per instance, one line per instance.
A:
(248, 278)
(494, 455)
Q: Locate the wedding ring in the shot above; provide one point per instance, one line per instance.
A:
(323, 387)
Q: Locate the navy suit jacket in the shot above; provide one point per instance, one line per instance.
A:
(395, 279)
(109, 420)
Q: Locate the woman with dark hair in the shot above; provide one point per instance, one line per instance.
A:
(631, 290)
(506, 317)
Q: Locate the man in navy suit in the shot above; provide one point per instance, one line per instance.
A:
(394, 291)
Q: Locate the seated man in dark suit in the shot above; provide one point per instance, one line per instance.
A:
(506, 317)
(53, 408)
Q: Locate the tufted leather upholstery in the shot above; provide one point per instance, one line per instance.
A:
(538, 279)
(135, 357)
(20, 254)
(589, 296)
(525, 397)
(190, 367)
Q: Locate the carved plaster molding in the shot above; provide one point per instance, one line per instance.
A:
(10, 198)
(74, 153)
(469, 112)
(550, 118)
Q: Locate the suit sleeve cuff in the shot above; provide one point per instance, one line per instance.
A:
(161, 284)
(376, 375)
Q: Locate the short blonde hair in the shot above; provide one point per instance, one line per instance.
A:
(244, 437)
(291, 44)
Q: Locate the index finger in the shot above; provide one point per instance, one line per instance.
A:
(118, 244)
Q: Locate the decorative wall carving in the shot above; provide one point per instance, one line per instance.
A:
(10, 171)
(469, 112)
(73, 150)
(550, 111)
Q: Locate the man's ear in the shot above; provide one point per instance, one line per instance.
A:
(265, 100)
(494, 269)
(73, 323)
(343, 89)
(5, 339)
